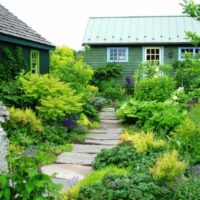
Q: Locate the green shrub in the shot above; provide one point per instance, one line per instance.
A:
(11, 94)
(109, 71)
(187, 140)
(187, 188)
(92, 178)
(158, 88)
(194, 114)
(124, 187)
(160, 117)
(54, 99)
(68, 69)
(111, 90)
(25, 181)
(100, 101)
(125, 156)
(187, 73)
(75, 72)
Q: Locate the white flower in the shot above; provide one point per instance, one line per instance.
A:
(180, 89)
(174, 98)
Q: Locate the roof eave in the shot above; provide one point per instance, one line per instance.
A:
(138, 43)
(25, 42)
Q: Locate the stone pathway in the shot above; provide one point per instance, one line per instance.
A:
(73, 166)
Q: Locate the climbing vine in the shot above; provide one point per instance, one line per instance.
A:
(11, 63)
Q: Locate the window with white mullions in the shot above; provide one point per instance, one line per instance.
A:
(153, 54)
(117, 54)
(193, 51)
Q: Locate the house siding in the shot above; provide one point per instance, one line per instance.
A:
(44, 56)
(96, 56)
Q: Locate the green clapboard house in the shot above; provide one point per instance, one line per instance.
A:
(15, 33)
(131, 41)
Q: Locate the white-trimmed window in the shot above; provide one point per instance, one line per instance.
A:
(152, 54)
(117, 54)
(193, 51)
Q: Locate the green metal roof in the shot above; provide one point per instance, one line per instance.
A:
(139, 29)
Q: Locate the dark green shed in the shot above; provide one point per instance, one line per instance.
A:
(15, 33)
(131, 41)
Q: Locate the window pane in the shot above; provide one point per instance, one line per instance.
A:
(197, 51)
(148, 51)
(157, 51)
(152, 51)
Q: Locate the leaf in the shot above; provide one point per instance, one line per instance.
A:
(3, 181)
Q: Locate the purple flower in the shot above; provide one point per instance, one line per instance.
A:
(70, 122)
(129, 80)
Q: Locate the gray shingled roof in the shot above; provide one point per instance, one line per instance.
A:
(12, 26)
(139, 30)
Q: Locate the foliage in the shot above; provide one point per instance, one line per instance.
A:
(54, 99)
(12, 63)
(141, 141)
(187, 140)
(109, 71)
(129, 85)
(151, 69)
(75, 72)
(161, 117)
(92, 178)
(192, 9)
(125, 156)
(24, 181)
(194, 114)
(187, 73)
(26, 118)
(187, 188)
(68, 69)
(12, 95)
(111, 90)
(168, 166)
(100, 101)
(158, 88)
(124, 187)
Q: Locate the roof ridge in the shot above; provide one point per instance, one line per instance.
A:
(142, 16)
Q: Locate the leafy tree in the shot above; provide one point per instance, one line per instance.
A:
(69, 69)
(189, 7)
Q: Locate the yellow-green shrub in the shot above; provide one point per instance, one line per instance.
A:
(142, 142)
(54, 99)
(25, 117)
(186, 131)
(94, 177)
(168, 166)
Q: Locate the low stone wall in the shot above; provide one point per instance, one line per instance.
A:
(4, 115)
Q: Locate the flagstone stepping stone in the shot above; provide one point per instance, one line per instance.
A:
(108, 136)
(88, 148)
(108, 117)
(76, 158)
(110, 121)
(66, 171)
(108, 110)
(102, 142)
(98, 131)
